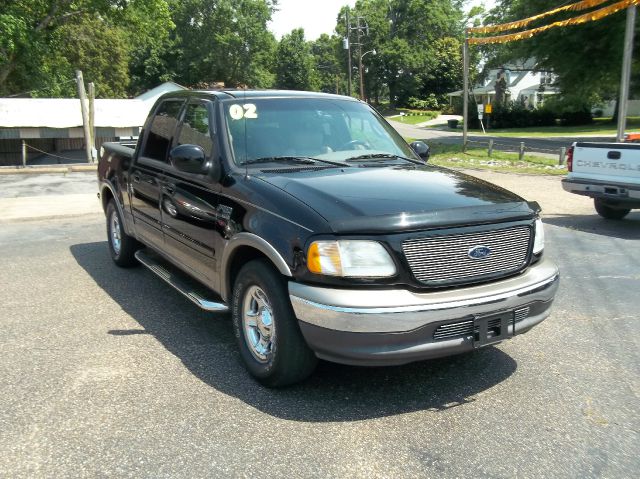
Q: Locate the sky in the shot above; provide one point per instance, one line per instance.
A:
(317, 16)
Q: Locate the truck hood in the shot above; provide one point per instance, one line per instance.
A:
(401, 198)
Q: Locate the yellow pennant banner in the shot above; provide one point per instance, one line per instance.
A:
(587, 17)
(583, 5)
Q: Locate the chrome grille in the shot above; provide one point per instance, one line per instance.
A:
(445, 259)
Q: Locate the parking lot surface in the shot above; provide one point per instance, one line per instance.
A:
(109, 372)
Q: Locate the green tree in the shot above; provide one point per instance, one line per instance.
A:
(587, 59)
(406, 35)
(35, 54)
(221, 40)
(295, 63)
(326, 51)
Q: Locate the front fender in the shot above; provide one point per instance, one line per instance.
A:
(253, 241)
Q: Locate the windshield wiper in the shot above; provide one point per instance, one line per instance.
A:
(381, 157)
(272, 159)
(304, 160)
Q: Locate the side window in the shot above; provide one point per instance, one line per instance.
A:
(195, 128)
(161, 130)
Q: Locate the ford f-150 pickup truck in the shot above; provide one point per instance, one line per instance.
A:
(322, 231)
(607, 172)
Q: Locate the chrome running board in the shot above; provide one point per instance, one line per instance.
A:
(189, 287)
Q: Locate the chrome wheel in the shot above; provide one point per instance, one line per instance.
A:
(116, 233)
(259, 327)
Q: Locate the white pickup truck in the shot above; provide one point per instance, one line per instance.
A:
(607, 172)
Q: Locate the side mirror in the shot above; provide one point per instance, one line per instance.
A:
(421, 149)
(190, 159)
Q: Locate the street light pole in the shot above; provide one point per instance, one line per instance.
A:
(362, 72)
(360, 62)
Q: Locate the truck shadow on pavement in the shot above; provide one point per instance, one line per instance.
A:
(627, 228)
(206, 346)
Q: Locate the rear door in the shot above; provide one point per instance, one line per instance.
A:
(149, 168)
(189, 202)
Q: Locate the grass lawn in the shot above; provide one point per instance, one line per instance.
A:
(600, 127)
(412, 120)
(451, 156)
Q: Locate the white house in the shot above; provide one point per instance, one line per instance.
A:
(523, 83)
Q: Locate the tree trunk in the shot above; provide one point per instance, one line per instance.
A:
(5, 71)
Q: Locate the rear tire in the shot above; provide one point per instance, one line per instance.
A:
(122, 247)
(606, 211)
(269, 338)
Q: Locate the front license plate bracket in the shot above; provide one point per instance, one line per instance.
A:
(491, 329)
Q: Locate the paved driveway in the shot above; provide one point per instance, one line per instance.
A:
(109, 372)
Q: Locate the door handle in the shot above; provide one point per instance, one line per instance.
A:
(168, 189)
(136, 178)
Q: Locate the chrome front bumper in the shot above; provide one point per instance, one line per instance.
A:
(398, 310)
(386, 327)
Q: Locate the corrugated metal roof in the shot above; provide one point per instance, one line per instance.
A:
(66, 113)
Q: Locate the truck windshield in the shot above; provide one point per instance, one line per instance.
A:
(328, 129)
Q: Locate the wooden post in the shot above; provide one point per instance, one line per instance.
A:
(521, 152)
(82, 94)
(563, 152)
(490, 152)
(92, 119)
(24, 153)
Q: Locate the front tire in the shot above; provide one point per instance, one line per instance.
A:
(269, 338)
(122, 247)
(608, 212)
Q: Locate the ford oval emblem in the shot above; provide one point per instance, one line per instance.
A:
(479, 252)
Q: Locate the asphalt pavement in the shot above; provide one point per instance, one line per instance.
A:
(108, 372)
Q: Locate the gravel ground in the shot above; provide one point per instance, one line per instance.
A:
(109, 372)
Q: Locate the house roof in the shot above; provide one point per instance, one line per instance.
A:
(66, 113)
(154, 93)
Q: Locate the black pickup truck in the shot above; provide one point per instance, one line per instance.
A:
(323, 232)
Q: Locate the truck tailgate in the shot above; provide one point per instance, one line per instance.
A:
(611, 162)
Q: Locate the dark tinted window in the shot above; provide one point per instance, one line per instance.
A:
(195, 128)
(161, 130)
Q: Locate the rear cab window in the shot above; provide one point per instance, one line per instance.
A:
(161, 131)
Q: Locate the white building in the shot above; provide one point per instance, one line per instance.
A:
(54, 125)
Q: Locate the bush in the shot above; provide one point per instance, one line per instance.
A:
(430, 103)
(517, 116)
(575, 118)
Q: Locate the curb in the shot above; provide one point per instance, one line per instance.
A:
(45, 169)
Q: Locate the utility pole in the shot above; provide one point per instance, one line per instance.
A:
(626, 72)
(360, 62)
(349, 54)
(82, 94)
(465, 89)
(92, 119)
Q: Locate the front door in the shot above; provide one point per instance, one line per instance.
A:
(189, 202)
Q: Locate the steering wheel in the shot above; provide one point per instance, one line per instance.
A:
(350, 144)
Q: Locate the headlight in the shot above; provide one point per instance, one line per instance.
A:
(355, 259)
(538, 242)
